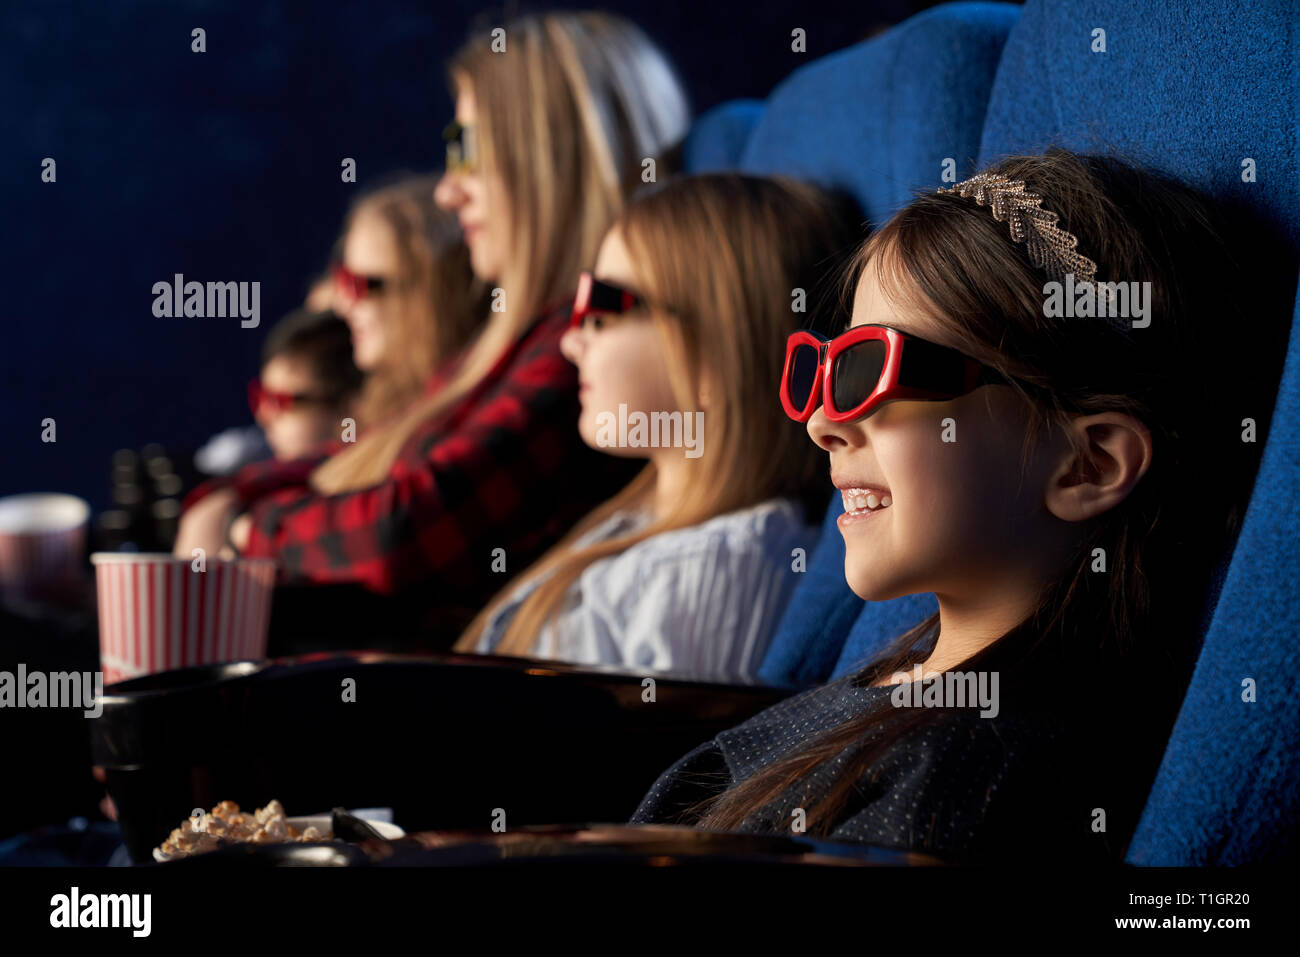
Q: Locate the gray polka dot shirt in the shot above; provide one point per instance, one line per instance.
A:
(966, 788)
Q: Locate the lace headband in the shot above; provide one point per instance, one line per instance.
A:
(1050, 247)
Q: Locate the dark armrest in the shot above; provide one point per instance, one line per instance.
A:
(601, 845)
(443, 739)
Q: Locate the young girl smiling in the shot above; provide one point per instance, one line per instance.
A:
(1064, 487)
(690, 566)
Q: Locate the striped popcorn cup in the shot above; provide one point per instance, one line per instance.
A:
(156, 613)
(42, 543)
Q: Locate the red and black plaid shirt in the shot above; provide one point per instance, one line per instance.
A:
(503, 469)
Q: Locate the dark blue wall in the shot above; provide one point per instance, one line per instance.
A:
(225, 166)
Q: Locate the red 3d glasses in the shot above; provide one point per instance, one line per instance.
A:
(868, 365)
(594, 297)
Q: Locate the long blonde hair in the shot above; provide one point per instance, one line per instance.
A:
(728, 253)
(567, 115)
(437, 303)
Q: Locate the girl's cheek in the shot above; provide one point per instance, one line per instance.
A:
(594, 367)
(611, 362)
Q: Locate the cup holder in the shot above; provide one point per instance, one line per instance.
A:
(197, 676)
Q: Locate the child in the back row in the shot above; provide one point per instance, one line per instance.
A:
(308, 384)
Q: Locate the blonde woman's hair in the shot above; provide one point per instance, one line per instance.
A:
(437, 303)
(723, 259)
(567, 115)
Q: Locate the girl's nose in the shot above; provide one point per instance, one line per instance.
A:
(345, 304)
(449, 194)
(831, 435)
(572, 345)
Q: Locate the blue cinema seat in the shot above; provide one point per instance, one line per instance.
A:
(881, 118)
(1228, 790)
(1196, 96)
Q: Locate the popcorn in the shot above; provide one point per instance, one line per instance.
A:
(226, 824)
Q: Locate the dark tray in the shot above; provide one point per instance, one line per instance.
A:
(443, 739)
(592, 845)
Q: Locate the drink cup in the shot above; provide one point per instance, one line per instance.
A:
(42, 544)
(158, 613)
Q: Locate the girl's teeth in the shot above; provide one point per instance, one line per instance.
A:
(858, 501)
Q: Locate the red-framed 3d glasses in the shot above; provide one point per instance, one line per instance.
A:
(262, 399)
(595, 296)
(858, 370)
(354, 285)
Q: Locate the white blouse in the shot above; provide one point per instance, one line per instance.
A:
(702, 602)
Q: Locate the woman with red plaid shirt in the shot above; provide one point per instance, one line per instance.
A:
(486, 470)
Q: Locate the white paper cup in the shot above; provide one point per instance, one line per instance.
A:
(42, 542)
(156, 613)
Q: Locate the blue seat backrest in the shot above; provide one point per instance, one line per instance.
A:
(1228, 790)
(881, 120)
(718, 136)
(1204, 94)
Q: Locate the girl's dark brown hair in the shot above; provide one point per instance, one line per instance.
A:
(324, 341)
(1136, 624)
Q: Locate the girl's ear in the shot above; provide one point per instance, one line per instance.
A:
(1120, 453)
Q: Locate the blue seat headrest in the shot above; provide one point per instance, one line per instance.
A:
(1195, 102)
(718, 136)
(880, 118)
